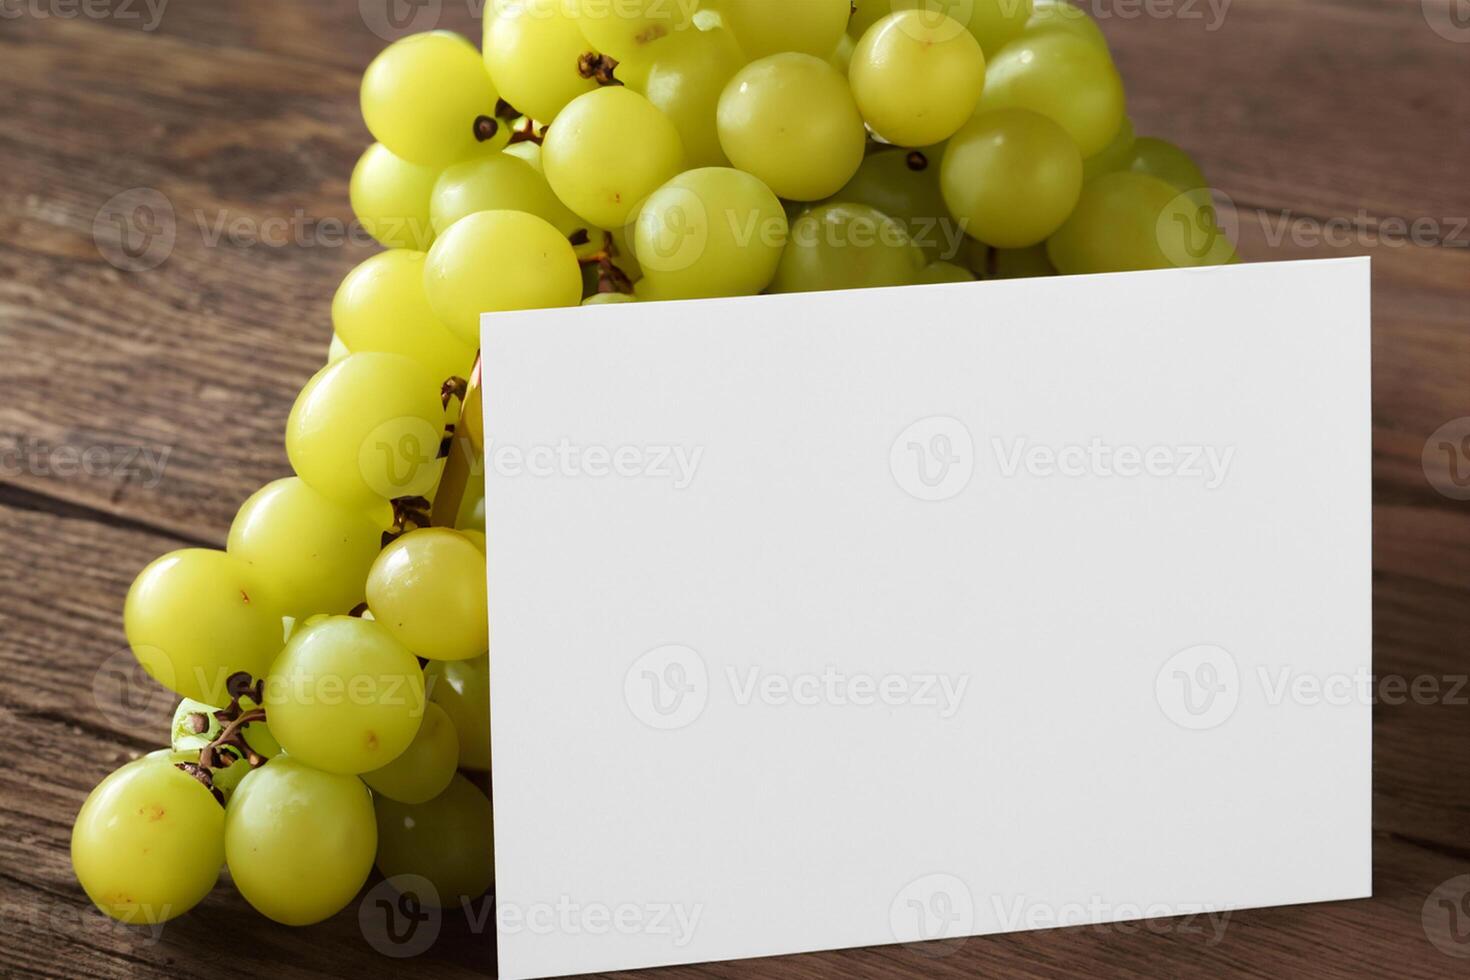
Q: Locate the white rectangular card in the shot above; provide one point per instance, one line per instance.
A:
(843, 619)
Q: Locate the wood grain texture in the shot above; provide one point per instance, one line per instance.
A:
(1304, 113)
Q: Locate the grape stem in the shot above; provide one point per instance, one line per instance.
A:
(610, 278)
(598, 67)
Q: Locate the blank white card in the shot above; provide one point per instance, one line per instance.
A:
(843, 619)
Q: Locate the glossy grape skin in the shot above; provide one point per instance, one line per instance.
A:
(422, 98)
(942, 272)
(711, 232)
(1129, 221)
(336, 350)
(608, 151)
(496, 261)
(196, 616)
(1011, 177)
(425, 768)
(531, 48)
(904, 184)
(312, 553)
(344, 696)
(1062, 77)
(684, 81)
(428, 589)
(791, 120)
(149, 842)
(299, 842)
(916, 77)
(991, 22)
(1065, 17)
(462, 688)
(764, 27)
(367, 429)
(1117, 155)
(390, 197)
(846, 246)
(448, 841)
(1022, 263)
(1162, 159)
(501, 182)
(382, 306)
(632, 29)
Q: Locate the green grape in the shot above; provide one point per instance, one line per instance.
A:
(425, 768)
(448, 841)
(462, 688)
(607, 299)
(841, 56)
(1011, 177)
(790, 119)
(382, 306)
(1117, 155)
(847, 246)
(993, 23)
(391, 198)
(527, 150)
(904, 184)
(1173, 166)
(368, 429)
(608, 151)
(472, 505)
(477, 538)
(429, 100)
(1065, 79)
(532, 49)
(345, 696)
(149, 842)
(230, 764)
(496, 261)
(1022, 263)
(917, 77)
(500, 183)
(1065, 17)
(1129, 221)
(428, 590)
(196, 616)
(940, 272)
(626, 29)
(299, 842)
(766, 27)
(711, 232)
(312, 553)
(336, 350)
(685, 81)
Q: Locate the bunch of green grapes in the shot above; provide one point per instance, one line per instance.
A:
(332, 659)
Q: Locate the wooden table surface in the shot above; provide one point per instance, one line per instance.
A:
(138, 408)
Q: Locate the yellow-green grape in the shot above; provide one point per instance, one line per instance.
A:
(940, 272)
(766, 27)
(149, 842)
(1173, 166)
(448, 841)
(477, 538)
(312, 553)
(609, 299)
(627, 29)
(1065, 17)
(685, 81)
(500, 183)
(790, 119)
(336, 350)
(1065, 79)
(846, 246)
(428, 590)
(429, 100)
(621, 251)
(1129, 221)
(711, 232)
(382, 306)
(841, 57)
(527, 150)
(299, 842)
(608, 151)
(1117, 155)
(917, 77)
(368, 429)
(196, 616)
(425, 768)
(391, 198)
(345, 696)
(1021, 263)
(991, 22)
(462, 688)
(532, 48)
(1011, 177)
(496, 261)
(904, 184)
